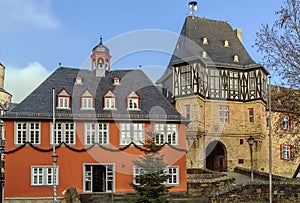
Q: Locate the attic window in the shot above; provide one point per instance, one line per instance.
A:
(178, 46)
(236, 58)
(63, 99)
(133, 101)
(87, 100)
(226, 43)
(117, 81)
(205, 40)
(109, 101)
(204, 54)
(78, 80)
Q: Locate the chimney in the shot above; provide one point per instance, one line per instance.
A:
(238, 33)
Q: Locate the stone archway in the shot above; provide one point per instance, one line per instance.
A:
(216, 159)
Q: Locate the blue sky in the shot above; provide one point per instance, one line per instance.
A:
(35, 35)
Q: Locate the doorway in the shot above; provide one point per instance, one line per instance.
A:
(99, 178)
(216, 156)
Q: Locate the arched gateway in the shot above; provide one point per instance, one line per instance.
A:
(216, 156)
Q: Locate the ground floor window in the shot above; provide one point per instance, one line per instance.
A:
(43, 175)
(172, 171)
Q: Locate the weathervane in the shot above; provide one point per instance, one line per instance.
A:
(193, 6)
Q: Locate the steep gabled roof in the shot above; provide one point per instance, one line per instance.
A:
(190, 46)
(39, 102)
(195, 29)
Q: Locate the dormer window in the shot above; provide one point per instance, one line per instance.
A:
(226, 43)
(78, 80)
(133, 101)
(109, 101)
(177, 46)
(117, 81)
(204, 54)
(205, 40)
(63, 99)
(236, 58)
(87, 100)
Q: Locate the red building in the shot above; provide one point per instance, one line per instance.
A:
(102, 118)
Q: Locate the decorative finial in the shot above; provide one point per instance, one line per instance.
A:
(59, 64)
(100, 39)
(193, 6)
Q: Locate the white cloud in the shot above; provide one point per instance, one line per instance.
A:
(21, 81)
(16, 14)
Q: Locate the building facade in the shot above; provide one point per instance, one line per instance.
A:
(101, 119)
(214, 82)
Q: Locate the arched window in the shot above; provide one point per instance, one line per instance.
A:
(100, 63)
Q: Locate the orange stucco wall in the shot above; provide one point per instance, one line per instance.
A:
(71, 164)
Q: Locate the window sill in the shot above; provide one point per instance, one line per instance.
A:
(86, 109)
(110, 109)
(133, 109)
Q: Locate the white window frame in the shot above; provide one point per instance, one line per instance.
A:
(251, 81)
(136, 172)
(27, 134)
(133, 103)
(44, 175)
(132, 132)
(286, 152)
(286, 122)
(63, 102)
(214, 80)
(66, 135)
(110, 103)
(224, 114)
(166, 133)
(87, 103)
(251, 115)
(172, 180)
(174, 176)
(234, 81)
(96, 133)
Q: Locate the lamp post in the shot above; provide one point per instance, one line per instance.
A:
(54, 160)
(251, 142)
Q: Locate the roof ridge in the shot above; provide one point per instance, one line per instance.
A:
(209, 19)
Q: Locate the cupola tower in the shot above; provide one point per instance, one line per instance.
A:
(100, 59)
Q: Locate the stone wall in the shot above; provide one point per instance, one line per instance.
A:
(283, 192)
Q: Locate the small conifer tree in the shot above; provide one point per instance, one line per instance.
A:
(149, 185)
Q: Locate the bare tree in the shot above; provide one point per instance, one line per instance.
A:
(279, 44)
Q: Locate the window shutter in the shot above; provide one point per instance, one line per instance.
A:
(281, 152)
(291, 123)
(281, 125)
(291, 152)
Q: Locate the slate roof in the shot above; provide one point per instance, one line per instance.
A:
(39, 103)
(191, 45)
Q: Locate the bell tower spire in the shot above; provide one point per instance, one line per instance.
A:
(100, 59)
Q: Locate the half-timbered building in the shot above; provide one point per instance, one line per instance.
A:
(213, 81)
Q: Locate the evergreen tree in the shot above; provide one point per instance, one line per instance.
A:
(149, 184)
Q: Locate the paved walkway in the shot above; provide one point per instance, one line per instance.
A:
(240, 178)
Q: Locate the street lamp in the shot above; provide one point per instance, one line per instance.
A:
(251, 142)
(54, 160)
